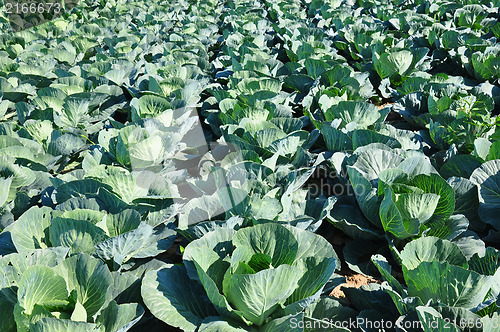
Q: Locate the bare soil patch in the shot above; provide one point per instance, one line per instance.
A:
(352, 281)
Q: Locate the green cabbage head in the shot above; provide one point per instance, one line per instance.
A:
(252, 277)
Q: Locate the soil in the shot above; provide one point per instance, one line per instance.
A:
(383, 105)
(352, 281)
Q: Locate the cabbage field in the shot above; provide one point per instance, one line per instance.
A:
(250, 165)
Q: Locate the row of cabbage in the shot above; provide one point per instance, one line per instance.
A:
(80, 97)
(261, 266)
